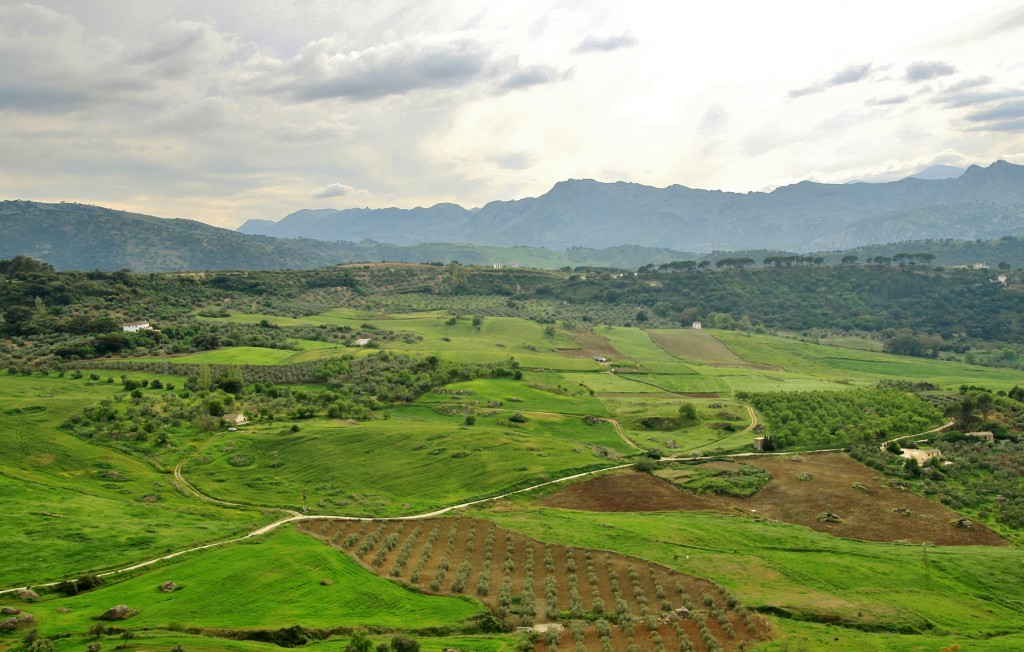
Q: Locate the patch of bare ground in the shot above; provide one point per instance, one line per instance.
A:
(592, 345)
(805, 489)
(601, 600)
(630, 492)
(705, 348)
(827, 492)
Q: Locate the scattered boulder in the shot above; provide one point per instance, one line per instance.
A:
(326, 582)
(63, 610)
(829, 517)
(964, 523)
(27, 595)
(169, 587)
(14, 622)
(118, 612)
(9, 611)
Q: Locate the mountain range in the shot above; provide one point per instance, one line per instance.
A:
(980, 203)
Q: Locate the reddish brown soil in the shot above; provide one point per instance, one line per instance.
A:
(869, 508)
(630, 492)
(874, 513)
(646, 591)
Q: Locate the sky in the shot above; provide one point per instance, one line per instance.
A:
(224, 111)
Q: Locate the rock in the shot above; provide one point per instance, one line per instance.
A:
(14, 622)
(169, 587)
(10, 611)
(27, 595)
(63, 610)
(118, 612)
(326, 582)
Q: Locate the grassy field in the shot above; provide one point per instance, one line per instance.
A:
(415, 461)
(165, 641)
(71, 506)
(275, 583)
(833, 362)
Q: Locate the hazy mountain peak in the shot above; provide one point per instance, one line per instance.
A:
(936, 172)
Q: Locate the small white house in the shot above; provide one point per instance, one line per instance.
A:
(362, 341)
(601, 359)
(922, 455)
(136, 326)
(236, 418)
(697, 325)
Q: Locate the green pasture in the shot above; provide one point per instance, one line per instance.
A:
(972, 592)
(537, 392)
(833, 362)
(413, 462)
(71, 506)
(275, 583)
(690, 438)
(792, 635)
(164, 641)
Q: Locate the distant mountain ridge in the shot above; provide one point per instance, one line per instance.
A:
(981, 203)
(84, 237)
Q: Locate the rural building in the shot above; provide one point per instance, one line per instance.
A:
(236, 418)
(362, 341)
(759, 443)
(601, 359)
(984, 435)
(136, 326)
(922, 455)
(697, 325)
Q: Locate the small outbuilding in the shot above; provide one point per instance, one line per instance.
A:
(984, 435)
(759, 443)
(236, 418)
(136, 326)
(697, 325)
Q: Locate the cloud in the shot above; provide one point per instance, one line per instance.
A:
(323, 71)
(606, 43)
(1004, 111)
(338, 190)
(713, 121)
(533, 76)
(957, 100)
(849, 75)
(887, 101)
(515, 160)
(919, 71)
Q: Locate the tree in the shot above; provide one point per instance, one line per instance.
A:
(359, 642)
(688, 412)
(404, 644)
(849, 260)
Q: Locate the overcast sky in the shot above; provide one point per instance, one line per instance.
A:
(223, 111)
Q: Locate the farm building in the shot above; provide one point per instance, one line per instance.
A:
(759, 443)
(601, 359)
(697, 325)
(984, 435)
(136, 326)
(236, 418)
(922, 455)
